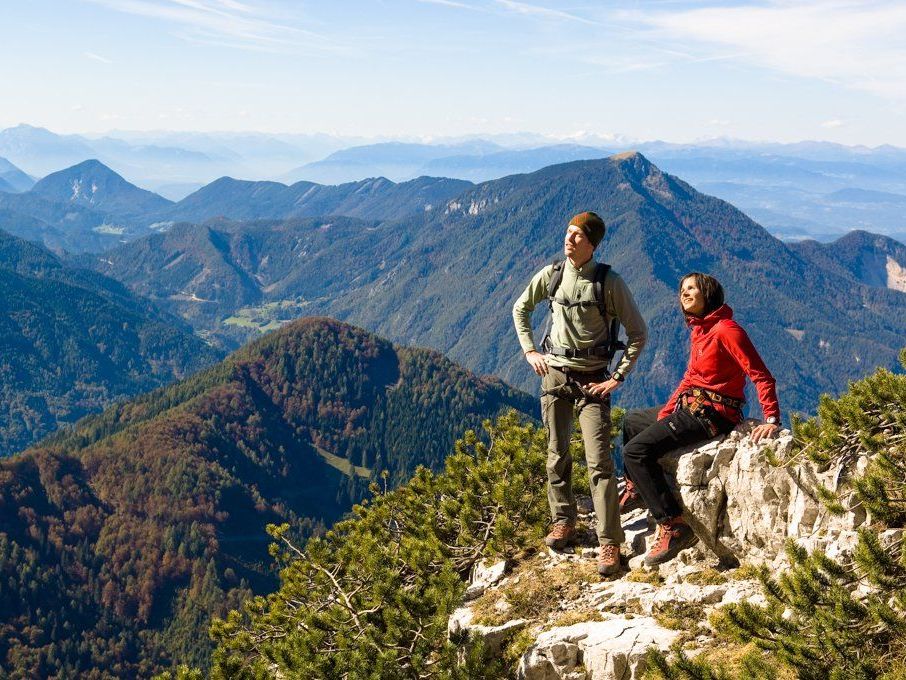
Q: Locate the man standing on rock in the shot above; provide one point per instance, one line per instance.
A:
(585, 298)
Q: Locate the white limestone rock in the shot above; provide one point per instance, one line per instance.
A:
(620, 595)
(688, 593)
(744, 591)
(615, 649)
(494, 637)
(485, 574)
(742, 507)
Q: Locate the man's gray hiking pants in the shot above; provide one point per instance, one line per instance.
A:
(562, 395)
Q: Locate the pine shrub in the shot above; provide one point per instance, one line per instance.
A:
(372, 598)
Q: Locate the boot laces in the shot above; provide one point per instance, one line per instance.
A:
(608, 553)
(664, 533)
(561, 530)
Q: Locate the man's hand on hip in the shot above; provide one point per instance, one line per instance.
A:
(537, 362)
(602, 388)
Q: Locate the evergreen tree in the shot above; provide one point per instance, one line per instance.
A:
(372, 598)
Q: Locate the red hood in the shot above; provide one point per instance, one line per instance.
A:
(721, 356)
(706, 322)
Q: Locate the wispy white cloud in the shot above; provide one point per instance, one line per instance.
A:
(97, 57)
(856, 44)
(648, 58)
(832, 124)
(450, 3)
(540, 11)
(223, 22)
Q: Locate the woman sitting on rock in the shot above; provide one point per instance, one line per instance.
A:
(708, 402)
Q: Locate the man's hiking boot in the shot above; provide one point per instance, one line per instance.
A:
(608, 560)
(630, 499)
(560, 536)
(673, 536)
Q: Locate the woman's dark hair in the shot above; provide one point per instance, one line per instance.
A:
(710, 287)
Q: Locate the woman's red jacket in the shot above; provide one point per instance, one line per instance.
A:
(721, 357)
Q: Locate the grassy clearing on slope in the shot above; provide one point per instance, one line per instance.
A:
(267, 317)
(343, 465)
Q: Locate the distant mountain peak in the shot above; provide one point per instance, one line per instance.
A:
(627, 155)
(93, 184)
(636, 163)
(92, 165)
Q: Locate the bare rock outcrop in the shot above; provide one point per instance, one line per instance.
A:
(743, 507)
(594, 650)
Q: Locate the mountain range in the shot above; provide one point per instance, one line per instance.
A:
(233, 276)
(445, 278)
(373, 199)
(73, 341)
(85, 207)
(794, 190)
(121, 538)
(89, 207)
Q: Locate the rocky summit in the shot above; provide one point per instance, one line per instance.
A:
(554, 617)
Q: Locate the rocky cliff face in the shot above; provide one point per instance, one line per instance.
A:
(553, 617)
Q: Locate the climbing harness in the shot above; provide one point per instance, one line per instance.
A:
(700, 403)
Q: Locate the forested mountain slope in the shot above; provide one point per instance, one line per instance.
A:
(120, 539)
(447, 278)
(91, 184)
(373, 199)
(872, 259)
(72, 341)
(88, 207)
(205, 273)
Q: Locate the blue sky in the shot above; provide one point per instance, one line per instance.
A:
(679, 71)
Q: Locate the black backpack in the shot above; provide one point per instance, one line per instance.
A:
(613, 344)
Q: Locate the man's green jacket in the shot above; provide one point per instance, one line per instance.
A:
(582, 327)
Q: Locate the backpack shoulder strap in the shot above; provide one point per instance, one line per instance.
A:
(601, 271)
(556, 277)
(554, 283)
(613, 336)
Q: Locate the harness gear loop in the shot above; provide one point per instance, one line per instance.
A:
(699, 402)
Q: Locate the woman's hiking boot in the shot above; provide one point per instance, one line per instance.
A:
(673, 536)
(630, 499)
(560, 536)
(608, 560)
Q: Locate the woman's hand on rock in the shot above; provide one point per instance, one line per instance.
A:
(764, 431)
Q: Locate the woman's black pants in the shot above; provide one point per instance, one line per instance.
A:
(646, 439)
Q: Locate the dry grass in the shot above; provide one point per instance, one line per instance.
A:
(643, 575)
(578, 616)
(745, 572)
(684, 616)
(706, 577)
(535, 591)
(728, 657)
